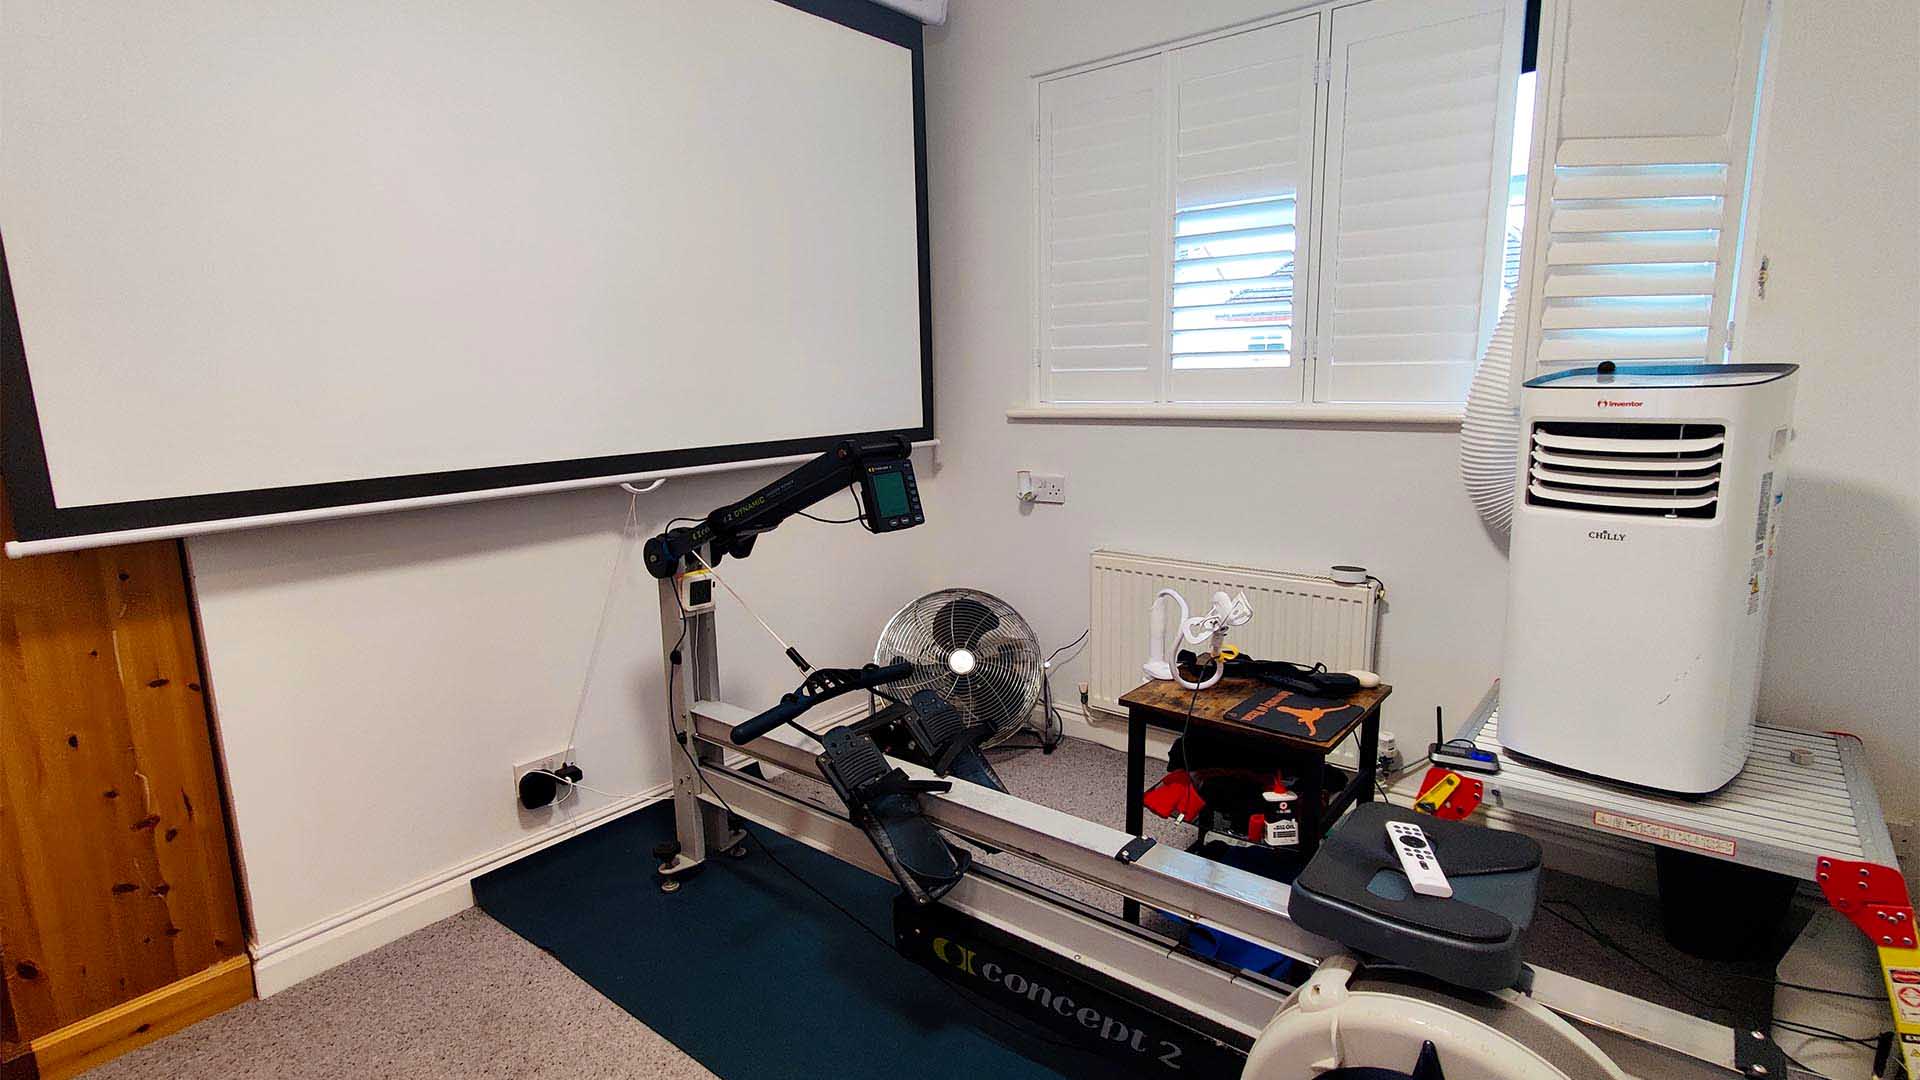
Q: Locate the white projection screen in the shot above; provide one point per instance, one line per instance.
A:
(274, 258)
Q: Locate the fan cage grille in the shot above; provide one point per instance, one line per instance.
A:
(1005, 681)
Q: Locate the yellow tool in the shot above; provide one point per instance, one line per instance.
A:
(1431, 799)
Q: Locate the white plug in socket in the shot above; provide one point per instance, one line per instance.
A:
(1033, 487)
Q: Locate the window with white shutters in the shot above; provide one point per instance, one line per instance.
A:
(1419, 116)
(1309, 211)
(1243, 110)
(1102, 212)
(1646, 128)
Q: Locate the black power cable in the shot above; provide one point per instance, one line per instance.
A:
(1069, 645)
(837, 521)
(1053, 728)
(1592, 930)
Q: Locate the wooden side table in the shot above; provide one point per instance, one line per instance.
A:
(1171, 707)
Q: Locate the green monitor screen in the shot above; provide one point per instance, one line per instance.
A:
(890, 494)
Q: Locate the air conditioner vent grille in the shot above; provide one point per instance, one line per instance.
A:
(1630, 468)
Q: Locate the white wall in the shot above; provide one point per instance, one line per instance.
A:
(1290, 497)
(1837, 213)
(1839, 218)
(375, 680)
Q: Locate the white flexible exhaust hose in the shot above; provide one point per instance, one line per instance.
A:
(1490, 432)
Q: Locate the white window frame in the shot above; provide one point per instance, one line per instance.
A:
(1309, 241)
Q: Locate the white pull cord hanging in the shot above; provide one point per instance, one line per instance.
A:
(627, 533)
(771, 632)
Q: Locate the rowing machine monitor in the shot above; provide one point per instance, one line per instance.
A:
(879, 466)
(889, 497)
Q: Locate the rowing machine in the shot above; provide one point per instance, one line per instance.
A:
(1379, 1003)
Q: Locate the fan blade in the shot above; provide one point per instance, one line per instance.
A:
(959, 693)
(959, 624)
(1001, 698)
(1013, 655)
(923, 673)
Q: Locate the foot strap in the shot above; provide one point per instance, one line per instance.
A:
(952, 747)
(885, 803)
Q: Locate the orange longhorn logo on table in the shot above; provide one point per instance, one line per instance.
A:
(1309, 718)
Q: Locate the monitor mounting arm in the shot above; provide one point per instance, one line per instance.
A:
(877, 464)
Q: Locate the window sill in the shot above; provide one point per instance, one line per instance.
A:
(1306, 413)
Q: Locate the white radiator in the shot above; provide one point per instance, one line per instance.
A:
(1305, 618)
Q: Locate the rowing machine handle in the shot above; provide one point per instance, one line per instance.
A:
(792, 705)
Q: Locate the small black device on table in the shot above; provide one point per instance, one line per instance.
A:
(1459, 754)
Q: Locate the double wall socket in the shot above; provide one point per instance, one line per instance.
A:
(1035, 487)
(548, 763)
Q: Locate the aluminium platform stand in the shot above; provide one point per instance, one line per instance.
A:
(1819, 822)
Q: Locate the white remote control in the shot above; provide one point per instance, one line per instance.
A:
(1417, 859)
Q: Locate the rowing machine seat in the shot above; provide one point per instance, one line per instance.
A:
(1353, 891)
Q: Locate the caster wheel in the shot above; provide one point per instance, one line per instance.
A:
(737, 851)
(669, 885)
(667, 850)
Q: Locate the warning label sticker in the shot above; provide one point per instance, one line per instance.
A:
(1662, 833)
(1906, 994)
(1760, 519)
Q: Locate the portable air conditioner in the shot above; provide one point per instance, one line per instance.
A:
(1643, 534)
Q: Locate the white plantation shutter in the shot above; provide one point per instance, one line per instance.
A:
(1243, 128)
(1419, 118)
(1103, 218)
(1641, 153)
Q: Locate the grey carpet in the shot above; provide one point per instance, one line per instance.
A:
(465, 997)
(468, 998)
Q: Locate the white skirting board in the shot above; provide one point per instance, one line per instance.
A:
(280, 964)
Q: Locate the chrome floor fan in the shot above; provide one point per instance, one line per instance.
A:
(975, 650)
